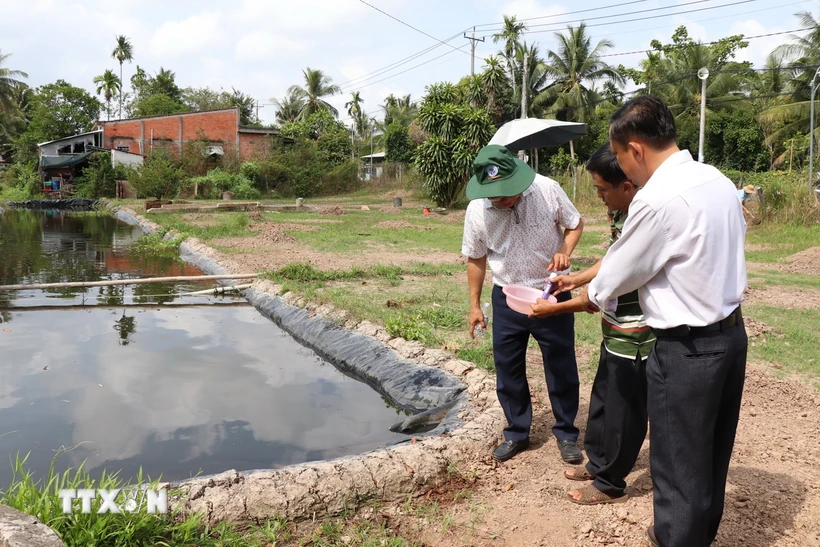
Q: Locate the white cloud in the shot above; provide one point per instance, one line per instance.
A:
(196, 34)
(759, 48)
(266, 46)
(527, 9)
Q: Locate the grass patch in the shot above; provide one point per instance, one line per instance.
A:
(480, 353)
(794, 346)
(337, 532)
(780, 240)
(128, 529)
(301, 272)
(154, 245)
(769, 278)
(230, 225)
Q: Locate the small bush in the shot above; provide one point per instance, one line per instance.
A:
(342, 179)
(244, 190)
(411, 327)
(99, 179)
(158, 177)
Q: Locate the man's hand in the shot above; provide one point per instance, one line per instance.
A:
(564, 283)
(543, 308)
(559, 262)
(588, 306)
(476, 318)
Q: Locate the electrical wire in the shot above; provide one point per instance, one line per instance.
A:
(708, 43)
(605, 16)
(567, 13)
(648, 17)
(407, 24)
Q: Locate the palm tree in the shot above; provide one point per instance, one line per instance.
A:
(354, 105)
(401, 109)
(108, 85)
(803, 56)
(317, 86)
(9, 83)
(123, 52)
(288, 108)
(574, 70)
(493, 79)
(510, 35)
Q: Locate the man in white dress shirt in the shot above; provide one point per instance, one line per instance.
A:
(682, 248)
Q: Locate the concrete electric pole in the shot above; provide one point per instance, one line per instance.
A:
(473, 41)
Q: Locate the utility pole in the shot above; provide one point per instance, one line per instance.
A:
(703, 74)
(473, 41)
(524, 87)
(811, 130)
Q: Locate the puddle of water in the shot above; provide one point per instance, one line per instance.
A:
(137, 378)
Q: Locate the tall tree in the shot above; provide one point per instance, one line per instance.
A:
(108, 85)
(9, 83)
(354, 105)
(124, 51)
(57, 110)
(317, 86)
(573, 70)
(205, 98)
(510, 35)
(288, 108)
(802, 56)
(493, 79)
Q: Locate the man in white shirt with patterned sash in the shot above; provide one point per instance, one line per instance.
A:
(682, 249)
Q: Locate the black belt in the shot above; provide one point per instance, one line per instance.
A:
(734, 318)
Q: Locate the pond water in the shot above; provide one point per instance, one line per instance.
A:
(134, 377)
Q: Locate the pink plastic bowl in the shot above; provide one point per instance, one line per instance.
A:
(519, 298)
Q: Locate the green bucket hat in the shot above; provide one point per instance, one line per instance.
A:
(498, 174)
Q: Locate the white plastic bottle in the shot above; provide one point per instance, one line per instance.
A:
(479, 330)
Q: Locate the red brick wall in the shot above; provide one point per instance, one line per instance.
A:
(254, 146)
(219, 127)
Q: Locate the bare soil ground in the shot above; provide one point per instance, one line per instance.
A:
(784, 297)
(773, 494)
(804, 262)
(400, 224)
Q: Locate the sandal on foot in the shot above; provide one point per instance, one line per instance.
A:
(592, 496)
(578, 473)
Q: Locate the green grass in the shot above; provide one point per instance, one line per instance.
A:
(773, 278)
(154, 245)
(40, 499)
(337, 532)
(230, 225)
(795, 344)
(782, 240)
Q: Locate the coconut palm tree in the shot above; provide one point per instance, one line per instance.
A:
(317, 86)
(354, 105)
(123, 52)
(399, 109)
(803, 56)
(108, 85)
(9, 83)
(574, 69)
(288, 108)
(510, 35)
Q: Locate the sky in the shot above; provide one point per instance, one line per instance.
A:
(261, 47)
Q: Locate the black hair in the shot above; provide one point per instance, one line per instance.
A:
(605, 164)
(646, 118)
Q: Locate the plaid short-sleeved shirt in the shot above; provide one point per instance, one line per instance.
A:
(520, 242)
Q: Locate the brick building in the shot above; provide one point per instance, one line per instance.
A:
(220, 129)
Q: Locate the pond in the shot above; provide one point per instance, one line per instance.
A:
(131, 377)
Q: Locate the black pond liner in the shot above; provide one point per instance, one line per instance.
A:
(409, 386)
(72, 204)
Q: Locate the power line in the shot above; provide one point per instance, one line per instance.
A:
(708, 43)
(409, 25)
(646, 18)
(396, 64)
(358, 87)
(568, 13)
(609, 16)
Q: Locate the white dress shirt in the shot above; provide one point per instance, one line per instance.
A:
(520, 243)
(682, 247)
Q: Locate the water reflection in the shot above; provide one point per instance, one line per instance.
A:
(154, 382)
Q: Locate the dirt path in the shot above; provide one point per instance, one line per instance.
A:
(773, 495)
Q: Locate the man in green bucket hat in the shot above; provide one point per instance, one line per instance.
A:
(524, 227)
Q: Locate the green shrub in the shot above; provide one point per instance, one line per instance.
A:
(244, 190)
(158, 177)
(217, 181)
(341, 179)
(786, 197)
(410, 327)
(99, 179)
(251, 170)
(21, 182)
